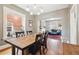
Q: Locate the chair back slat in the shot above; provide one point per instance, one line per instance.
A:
(20, 34)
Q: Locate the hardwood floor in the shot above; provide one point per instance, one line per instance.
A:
(53, 49)
(6, 51)
(70, 49)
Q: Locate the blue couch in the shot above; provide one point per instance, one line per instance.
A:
(54, 32)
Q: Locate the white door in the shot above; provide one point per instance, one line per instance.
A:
(73, 25)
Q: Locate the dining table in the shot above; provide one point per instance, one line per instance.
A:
(21, 43)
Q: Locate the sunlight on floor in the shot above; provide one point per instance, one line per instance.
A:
(54, 47)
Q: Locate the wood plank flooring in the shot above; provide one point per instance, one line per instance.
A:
(70, 49)
(54, 49)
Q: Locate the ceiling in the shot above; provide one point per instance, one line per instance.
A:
(37, 9)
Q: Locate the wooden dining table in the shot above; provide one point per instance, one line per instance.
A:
(21, 43)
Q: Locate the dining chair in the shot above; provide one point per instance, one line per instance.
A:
(40, 44)
(29, 32)
(20, 34)
(34, 48)
(44, 42)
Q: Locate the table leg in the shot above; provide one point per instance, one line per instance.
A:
(40, 51)
(22, 52)
(13, 50)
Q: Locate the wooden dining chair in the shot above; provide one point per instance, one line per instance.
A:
(44, 42)
(29, 32)
(34, 48)
(20, 34)
(40, 44)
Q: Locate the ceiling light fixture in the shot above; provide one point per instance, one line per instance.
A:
(41, 10)
(35, 7)
(31, 13)
(27, 9)
(38, 13)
